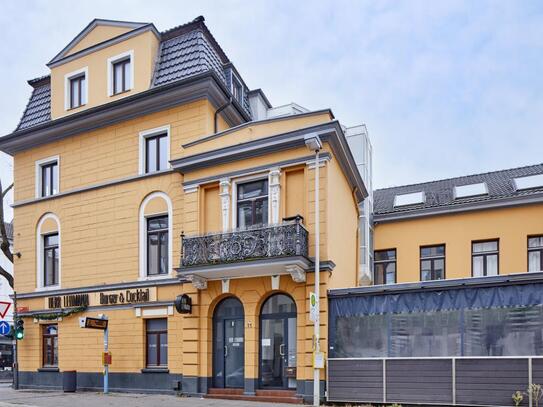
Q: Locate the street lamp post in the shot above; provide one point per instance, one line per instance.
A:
(314, 143)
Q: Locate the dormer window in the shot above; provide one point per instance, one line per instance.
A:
(120, 73)
(76, 89)
(237, 89)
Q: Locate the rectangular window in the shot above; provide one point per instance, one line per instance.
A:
(157, 342)
(49, 178)
(432, 262)
(156, 152)
(121, 76)
(384, 267)
(78, 91)
(252, 203)
(157, 245)
(237, 89)
(50, 259)
(50, 345)
(535, 253)
(485, 258)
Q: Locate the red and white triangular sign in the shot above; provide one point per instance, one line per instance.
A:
(4, 307)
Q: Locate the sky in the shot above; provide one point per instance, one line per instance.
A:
(446, 88)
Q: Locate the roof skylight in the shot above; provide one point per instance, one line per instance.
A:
(409, 199)
(463, 191)
(531, 181)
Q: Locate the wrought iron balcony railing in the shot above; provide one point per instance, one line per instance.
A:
(289, 238)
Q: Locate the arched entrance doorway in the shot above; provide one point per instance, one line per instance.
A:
(228, 344)
(278, 343)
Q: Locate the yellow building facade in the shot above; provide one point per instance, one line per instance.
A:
(473, 226)
(150, 187)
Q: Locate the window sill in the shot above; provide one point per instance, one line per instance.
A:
(48, 288)
(155, 370)
(156, 277)
(124, 92)
(48, 369)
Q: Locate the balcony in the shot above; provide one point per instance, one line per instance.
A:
(266, 250)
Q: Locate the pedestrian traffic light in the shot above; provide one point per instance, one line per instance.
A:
(19, 329)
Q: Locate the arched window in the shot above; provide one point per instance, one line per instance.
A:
(278, 304)
(48, 249)
(156, 236)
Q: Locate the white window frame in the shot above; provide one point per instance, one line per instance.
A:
(38, 179)
(143, 235)
(110, 62)
(420, 201)
(67, 79)
(39, 254)
(238, 79)
(149, 133)
(243, 180)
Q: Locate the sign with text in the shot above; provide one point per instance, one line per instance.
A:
(118, 297)
(313, 313)
(95, 323)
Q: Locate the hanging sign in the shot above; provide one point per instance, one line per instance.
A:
(183, 304)
(313, 312)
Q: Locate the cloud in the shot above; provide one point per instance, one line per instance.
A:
(446, 88)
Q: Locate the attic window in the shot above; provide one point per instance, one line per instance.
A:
(532, 181)
(76, 88)
(464, 191)
(237, 89)
(121, 73)
(409, 199)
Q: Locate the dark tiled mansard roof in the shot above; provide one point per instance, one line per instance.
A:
(184, 51)
(440, 194)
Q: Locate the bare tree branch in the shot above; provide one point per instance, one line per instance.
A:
(7, 276)
(4, 241)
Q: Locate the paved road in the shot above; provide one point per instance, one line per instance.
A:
(27, 398)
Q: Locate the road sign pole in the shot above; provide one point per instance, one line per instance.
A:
(106, 365)
(15, 353)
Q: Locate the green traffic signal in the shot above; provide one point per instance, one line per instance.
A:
(19, 329)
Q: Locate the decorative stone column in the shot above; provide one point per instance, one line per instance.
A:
(225, 203)
(275, 189)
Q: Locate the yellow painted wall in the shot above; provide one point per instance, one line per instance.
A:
(342, 228)
(98, 34)
(294, 192)
(145, 48)
(211, 215)
(511, 226)
(109, 153)
(258, 130)
(99, 233)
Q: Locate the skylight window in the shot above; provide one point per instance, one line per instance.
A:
(409, 199)
(464, 191)
(532, 181)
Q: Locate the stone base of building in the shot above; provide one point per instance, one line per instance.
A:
(159, 383)
(148, 382)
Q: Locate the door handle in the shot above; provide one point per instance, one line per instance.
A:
(225, 351)
(282, 349)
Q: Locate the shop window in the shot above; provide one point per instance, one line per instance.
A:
(535, 253)
(385, 267)
(157, 342)
(432, 262)
(50, 345)
(485, 258)
(252, 203)
(157, 245)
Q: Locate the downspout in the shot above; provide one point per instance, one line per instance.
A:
(220, 109)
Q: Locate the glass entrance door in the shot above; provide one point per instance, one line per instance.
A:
(278, 343)
(234, 351)
(228, 344)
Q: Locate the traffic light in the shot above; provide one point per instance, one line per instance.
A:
(19, 329)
